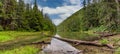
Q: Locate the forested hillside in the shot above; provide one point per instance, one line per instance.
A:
(97, 15)
(23, 27)
(97, 22)
(19, 16)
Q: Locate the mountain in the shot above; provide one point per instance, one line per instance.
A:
(96, 16)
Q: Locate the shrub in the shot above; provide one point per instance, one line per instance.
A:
(1, 28)
(104, 41)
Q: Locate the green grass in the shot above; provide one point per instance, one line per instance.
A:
(12, 35)
(14, 42)
(99, 29)
(83, 35)
(104, 41)
(21, 50)
(78, 35)
(12, 39)
(4, 38)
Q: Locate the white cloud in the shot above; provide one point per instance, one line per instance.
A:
(75, 2)
(28, 1)
(63, 16)
(57, 21)
(63, 12)
(17, 0)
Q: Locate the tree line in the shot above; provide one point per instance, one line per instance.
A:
(22, 17)
(100, 14)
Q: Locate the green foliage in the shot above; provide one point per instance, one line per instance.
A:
(99, 16)
(104, 41)
(72, 23)
(1, 28)
(11, 35)
(99, 29)
(79, 35)
(21, 50)
(22, 17)
(14, 39)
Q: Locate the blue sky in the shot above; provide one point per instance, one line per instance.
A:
(58, 10)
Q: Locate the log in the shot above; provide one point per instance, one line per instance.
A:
(41, 42)
(86, 42)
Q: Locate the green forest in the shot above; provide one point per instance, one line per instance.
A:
(25, 29)
(21, 25)
(99, 15)
(22, 17)
(98, 22)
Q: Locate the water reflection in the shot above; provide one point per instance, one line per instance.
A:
(59, 47)
(79, 35)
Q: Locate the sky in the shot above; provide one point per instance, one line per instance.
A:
(58, 10)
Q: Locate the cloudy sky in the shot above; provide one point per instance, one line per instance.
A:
(58, 10)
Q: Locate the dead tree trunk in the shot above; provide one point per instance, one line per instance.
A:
(86, 42)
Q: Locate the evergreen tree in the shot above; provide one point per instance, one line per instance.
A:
(1, 13)
(20, 16)
(9, 14)
(100, 13)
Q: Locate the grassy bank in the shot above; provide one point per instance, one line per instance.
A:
(22, 50)
(12, 35)
(14, 42)
(15, 35)
(112, 40)
(79, 35)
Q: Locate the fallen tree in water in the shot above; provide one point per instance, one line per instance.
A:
(78, 42)
(93, 43)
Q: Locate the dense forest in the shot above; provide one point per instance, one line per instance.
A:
(94, 29)
(97, 22)
(19, 16)
(22, 26)
(98, 15)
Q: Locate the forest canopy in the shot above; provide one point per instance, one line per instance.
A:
(101, 15)
(22, 17)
